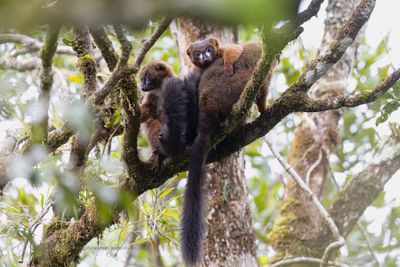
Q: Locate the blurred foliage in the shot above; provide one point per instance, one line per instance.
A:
(149, 228)
(25, 13)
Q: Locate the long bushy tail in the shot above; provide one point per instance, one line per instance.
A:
(193, 220)
(174, 116)
(191, 86)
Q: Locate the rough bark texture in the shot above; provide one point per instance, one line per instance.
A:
(230, 240)
(300, 231)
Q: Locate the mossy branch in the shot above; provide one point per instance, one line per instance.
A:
(87, 65)
(121, 70)
(316, 105)
(105, 46)
(40, 128)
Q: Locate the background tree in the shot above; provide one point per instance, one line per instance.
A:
(75, 183)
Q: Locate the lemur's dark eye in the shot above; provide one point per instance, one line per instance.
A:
(209, 49)
(197, 54)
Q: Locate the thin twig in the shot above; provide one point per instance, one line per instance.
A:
(312, 168)
(339, 240)
(310, 12)
(369, 246)
(33, 227)
(286, 262)
(330, 249)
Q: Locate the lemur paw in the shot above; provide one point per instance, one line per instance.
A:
(157, 158)
(228, 71)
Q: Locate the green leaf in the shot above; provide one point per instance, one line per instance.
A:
(387, 109)
(123, 234)
(166, 192)
(68, 42)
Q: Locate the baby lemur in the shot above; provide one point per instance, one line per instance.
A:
(169, 109)
(217, 94)
(203, 53)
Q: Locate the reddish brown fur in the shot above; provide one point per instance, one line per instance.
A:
(217, 94)
(150, 108)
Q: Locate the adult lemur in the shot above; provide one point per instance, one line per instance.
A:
(218, 91)
(169, 109)
(217, 94)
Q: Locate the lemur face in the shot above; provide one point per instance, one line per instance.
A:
(203, 53)
(153, 74)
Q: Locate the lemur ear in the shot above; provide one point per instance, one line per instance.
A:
(189, 49)
(160, 67)
(213, 41)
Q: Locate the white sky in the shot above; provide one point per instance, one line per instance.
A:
(384, 20)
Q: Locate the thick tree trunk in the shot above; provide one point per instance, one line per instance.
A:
(301, 230)
(230, 240)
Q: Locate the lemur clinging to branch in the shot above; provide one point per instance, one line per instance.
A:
(169, 109)
(217, 94)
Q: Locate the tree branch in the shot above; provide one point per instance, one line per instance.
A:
(315, 105)
(147, 44)
(19, 65)
(87, 65)
(39, 128)
(365, 187)
(59, 136)
(121, 69)
(311, 11)
(105, 46)
(30, 44)
(293, 99)
(343, 39)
